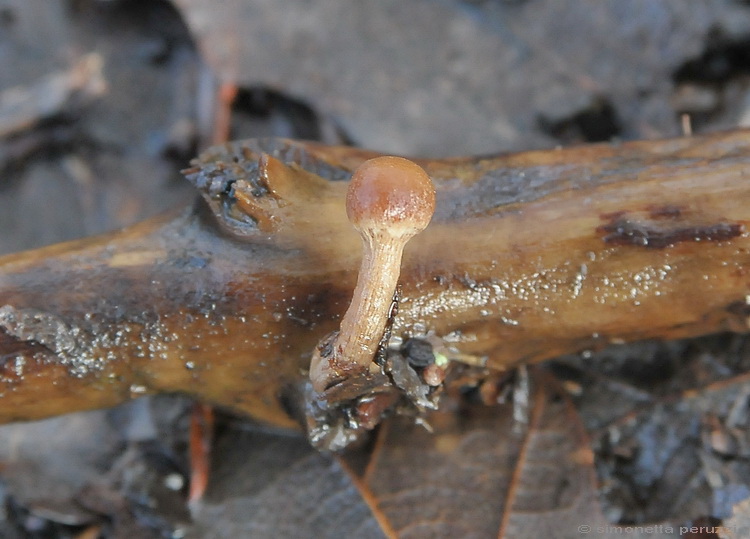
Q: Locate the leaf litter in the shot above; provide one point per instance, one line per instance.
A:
(658, 434)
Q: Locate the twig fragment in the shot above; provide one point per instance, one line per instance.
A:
(22, 107)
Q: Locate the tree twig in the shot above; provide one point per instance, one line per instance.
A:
(528, 256)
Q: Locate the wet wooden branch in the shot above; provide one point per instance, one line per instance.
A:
(528, 256)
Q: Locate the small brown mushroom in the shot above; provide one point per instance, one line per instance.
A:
(390, 199)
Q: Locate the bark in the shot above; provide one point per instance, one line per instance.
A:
(529, 256)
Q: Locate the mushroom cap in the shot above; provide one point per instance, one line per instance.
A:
(390, 192)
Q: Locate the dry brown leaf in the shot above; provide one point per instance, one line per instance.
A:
(451, 78)
(482, 474)
(267, 485)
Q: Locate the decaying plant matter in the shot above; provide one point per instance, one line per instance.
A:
(528, 256)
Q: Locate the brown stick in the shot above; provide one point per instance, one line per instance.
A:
(528, 256)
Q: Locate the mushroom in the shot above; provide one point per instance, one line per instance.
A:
(389, 200)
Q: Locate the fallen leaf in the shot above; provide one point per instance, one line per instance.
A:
(482, 474)
(450, 78)
(271, 485)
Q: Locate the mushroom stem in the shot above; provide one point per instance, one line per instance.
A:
(364, 322)
(389, 200)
